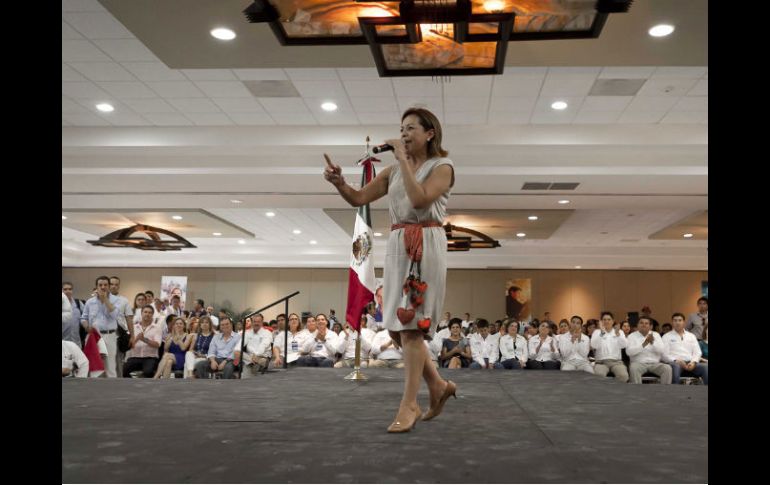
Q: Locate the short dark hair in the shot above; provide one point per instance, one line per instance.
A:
(258, 315)
(482, 323)
(607, 313)
(703, 298)
(114, 278)
(176, 297)
(100, 278)
(221, 320)
(281, 315)
(455, 320)
(677, 314)
(148, 306)
(200, 302)
(67, 283)
(150, 292)
(578, 317)
(649, 320)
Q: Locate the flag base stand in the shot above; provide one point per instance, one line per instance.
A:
(356, 375)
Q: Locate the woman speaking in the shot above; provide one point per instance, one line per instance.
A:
(415, 264)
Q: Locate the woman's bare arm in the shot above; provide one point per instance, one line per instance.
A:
(370, 192)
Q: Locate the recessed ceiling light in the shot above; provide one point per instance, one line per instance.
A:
(661, 30)
(297, 231)
(177, 218)
(520, 234)
(532, 218)
(105, 107)
(216, 233)
(63, 217)
(329, 106)
(688, 235)
(270, 214)
(223, 34)
(565, 201)
(377, 234)
(236, 201)
(578, 267)
(559, 105)
(313, 241)
(241, 241)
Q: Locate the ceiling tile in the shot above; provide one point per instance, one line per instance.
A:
(153, 71)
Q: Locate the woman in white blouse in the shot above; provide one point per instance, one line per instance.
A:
(513, 347)
(296, 339)
(542, 349)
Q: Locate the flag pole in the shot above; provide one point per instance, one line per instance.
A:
(357, 375)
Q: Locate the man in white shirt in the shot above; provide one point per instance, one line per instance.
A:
(160, 313)
(440, 335)
(70, 329)
(573, 347)
(696, 321)
(214, 318)
(176, 306)
(125, 320)
(101, 312)
(258, 346)
(386, 352)
(485, 348)
(683, 353)
(467, 321)
(72, 355)
(347, 347)
(645, 349)
(66, 310)
(145, 344)
(310, 330)
(445, 322)
(319, 346)
(608, 342)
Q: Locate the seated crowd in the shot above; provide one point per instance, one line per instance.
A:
(163, 340)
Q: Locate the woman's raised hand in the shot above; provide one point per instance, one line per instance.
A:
(333, 173)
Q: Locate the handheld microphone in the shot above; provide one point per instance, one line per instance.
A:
(382, 148)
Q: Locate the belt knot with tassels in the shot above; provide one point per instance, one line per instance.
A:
(414, 288)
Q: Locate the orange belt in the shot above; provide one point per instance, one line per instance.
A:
(413, 237)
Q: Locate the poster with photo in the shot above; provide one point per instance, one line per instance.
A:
(173, 285)
(518, 299)
(378, 300)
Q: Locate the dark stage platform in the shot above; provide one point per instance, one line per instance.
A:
(310, 425)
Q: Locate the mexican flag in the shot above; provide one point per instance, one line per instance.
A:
(361, 281)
